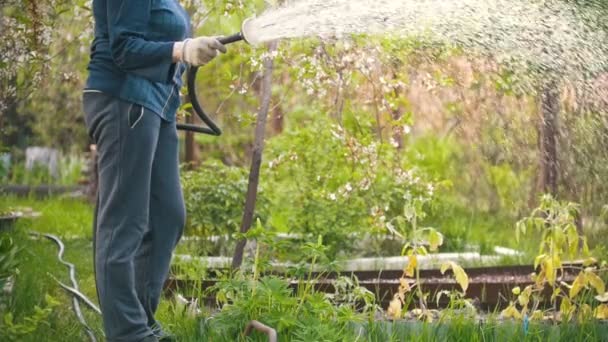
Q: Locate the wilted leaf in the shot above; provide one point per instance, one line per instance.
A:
(566, 309)
(585, 313)
(394, 308)
(537, 315)
(412, 263)
(435, 240)
(578, 284)
(549, 271)
(404, 285)
(601, 312)
(461, 276)
(524, 297)
(603, 297)
(596, 282)
(511, 312)
(538, 260)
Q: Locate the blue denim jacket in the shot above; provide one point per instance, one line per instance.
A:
(132, 53)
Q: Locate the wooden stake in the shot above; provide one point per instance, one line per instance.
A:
(256, 160)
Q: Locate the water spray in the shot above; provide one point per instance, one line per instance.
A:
(536, 40)
(247, 35)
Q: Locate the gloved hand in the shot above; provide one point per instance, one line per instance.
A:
(200, 51)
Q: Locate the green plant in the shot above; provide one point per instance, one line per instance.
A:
(338, 182)
(15, 331)
(560, 241)
(8, 260)
(417, 239)
(214, 196)
(302, 315)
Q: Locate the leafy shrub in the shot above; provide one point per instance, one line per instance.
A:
(302, 315)
(332, 181)
(10, 330)
(215, 196)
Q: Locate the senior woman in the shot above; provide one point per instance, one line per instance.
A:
(138, 56)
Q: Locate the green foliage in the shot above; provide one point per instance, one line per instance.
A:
(304, 315)
(215, 197)
(69, 172)
(560, 241)
(15, 331)
(325, 180)
(8, 260)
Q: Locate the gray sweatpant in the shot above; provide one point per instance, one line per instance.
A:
(140, 214)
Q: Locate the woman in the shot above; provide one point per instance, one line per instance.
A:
(130, 101)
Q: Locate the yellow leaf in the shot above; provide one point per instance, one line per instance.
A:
(511, 312)
(435, 240)
(537, 315)
(538, 260)
(585, 313)
(394, 308)
(573, 241)
(540, 278)
(524, 297)
(516, 291)
(549, 271)
(601, 312)
(596, 282)
(578, 284)
(557, 291)
(404, 285)
(602, 298)
(461, 276)
(411, 265)
(566, 309)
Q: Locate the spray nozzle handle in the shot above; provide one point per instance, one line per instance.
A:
(237, 37)
(212, 128)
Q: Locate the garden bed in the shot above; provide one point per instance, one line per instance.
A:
(489, 286)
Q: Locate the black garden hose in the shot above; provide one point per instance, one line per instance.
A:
(212, 128)
(74, 290)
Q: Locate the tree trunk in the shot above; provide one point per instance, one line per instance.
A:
(256, 160)
(548, 135)
(192, 151)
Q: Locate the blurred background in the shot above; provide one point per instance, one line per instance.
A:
(358, 129)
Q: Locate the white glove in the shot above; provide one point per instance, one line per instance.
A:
(200, 51)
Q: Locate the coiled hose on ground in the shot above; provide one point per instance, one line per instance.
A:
(74, 291)
(77, 296)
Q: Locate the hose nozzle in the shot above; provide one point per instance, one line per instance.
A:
(246, 34)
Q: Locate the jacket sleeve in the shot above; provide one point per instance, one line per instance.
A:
(127, 24)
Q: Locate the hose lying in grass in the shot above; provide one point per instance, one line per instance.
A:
(74, 291)
(255, 325)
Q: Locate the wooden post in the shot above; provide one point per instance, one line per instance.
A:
(256, 160)
(548, 136)
(192, 151)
